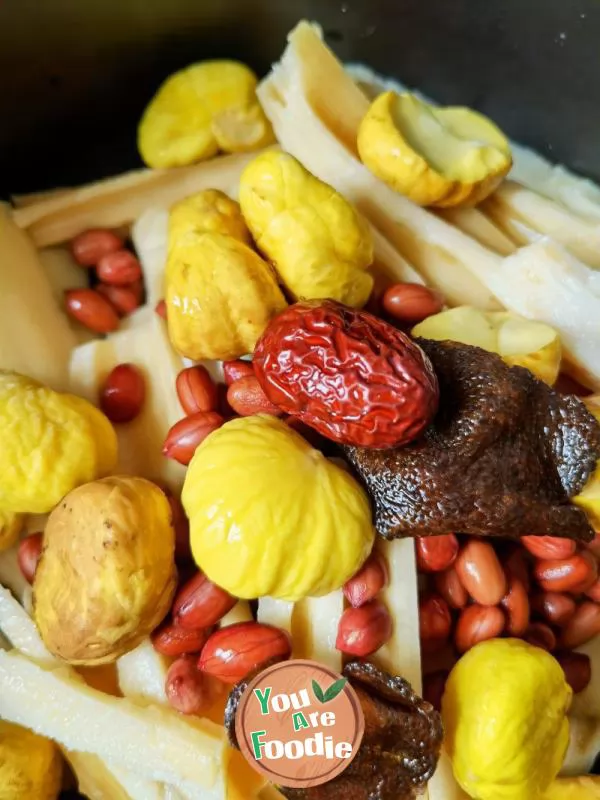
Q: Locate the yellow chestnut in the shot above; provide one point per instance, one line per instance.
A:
(440, 157)
(106, 575)
(209, 211)
(200, 110)
(50, 443)
(270, 515)
(318, 242)
(30, 766)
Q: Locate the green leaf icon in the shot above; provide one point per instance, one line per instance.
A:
(318, 692)
(334, 690)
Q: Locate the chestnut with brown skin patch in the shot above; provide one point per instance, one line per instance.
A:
(400, 748)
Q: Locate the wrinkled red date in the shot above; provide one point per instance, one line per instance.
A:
(352, 377)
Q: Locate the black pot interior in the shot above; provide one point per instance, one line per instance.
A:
(76, 75)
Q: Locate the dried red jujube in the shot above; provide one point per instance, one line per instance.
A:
(350, 376)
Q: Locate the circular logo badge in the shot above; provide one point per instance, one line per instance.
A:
(299, 723)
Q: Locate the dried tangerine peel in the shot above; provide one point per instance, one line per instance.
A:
(505, 454)
(440, 157)
(271, 516)
(318, 242)
(200, 110)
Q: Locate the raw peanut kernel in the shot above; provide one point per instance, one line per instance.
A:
(232, 652)
(187, 434)
(368, 581)
(161, 309)
(594, 545)
(577, 668)
(583, 626)
(89, 247)
(594, 591)
(188, 690)
(200, 603)
(448, 585)
(516, 605)
(362, 631)
(119, 269)
(556, 607)
(234, 370)
(541, 635)
(436, 553)
(172, 640)
(434, 684)
(196, 390)
(123, 393)
(30, 550)
(181, 524)
(481, 573)
(516, 564)
(477, 624)
(549, 547)
(574, 574)
(246, 398)
(123, 298)
(91, 310)
(411, 303)
(435, 623)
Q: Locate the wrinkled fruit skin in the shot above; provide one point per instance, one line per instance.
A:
(106, 576)
(30, 766)
(503, 456)
(400, 748)
(50, 443)
(350, 376)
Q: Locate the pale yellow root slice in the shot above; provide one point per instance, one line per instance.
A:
(20, 632)
(513, 227)
(65, 273)
(241, 612)
(142, 675)
(146, 345)
(18, 627)
(475, 223)
(149, 234)
(314, 629)
(316, 109)
(53, 704)
(402, 654)
(580, 236)
(272, 611)
(115, 202)
(35, 337)
(29, 199)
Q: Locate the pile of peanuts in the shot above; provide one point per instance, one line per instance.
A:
(119, 289)
(542, 589)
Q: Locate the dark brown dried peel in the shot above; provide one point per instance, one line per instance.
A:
(400, 748)
(502, 457)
